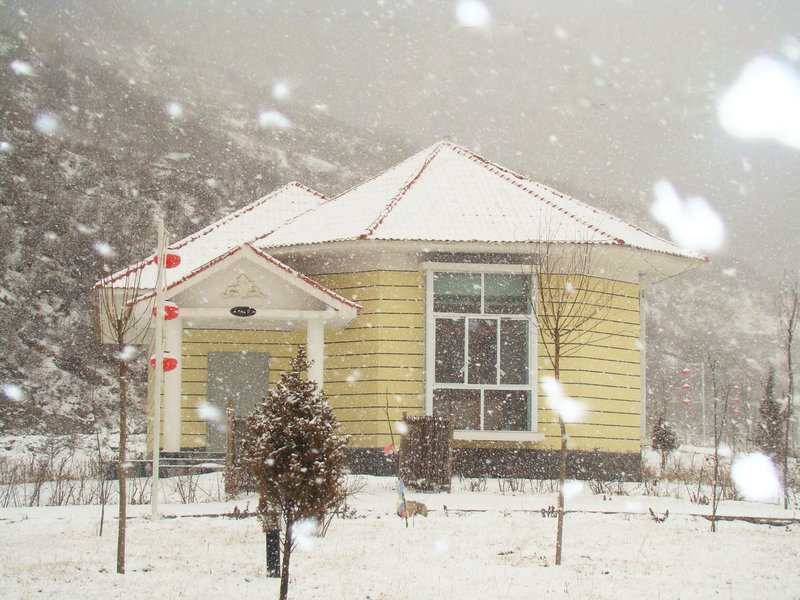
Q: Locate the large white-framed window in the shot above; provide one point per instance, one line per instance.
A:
(481, 350)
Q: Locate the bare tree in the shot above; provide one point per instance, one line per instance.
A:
(571, 306)
(720, 403)
(122, 324)
(790, 310)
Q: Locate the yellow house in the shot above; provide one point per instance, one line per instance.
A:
(414, 293)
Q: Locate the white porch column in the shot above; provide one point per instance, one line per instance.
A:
(173, 334)
(316, 350)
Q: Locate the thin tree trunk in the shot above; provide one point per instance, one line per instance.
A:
(562, 473)
(287, 553)
(562, 466)
(123, 459)
(101, 478)
(790, 399)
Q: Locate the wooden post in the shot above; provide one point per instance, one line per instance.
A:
(426, 453)
(273, 541)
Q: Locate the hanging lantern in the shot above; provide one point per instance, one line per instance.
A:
(169, 363)
(171, 311)
(686, 402)
(171, 261)
(686, 387)
(686, 371)
(388, 449)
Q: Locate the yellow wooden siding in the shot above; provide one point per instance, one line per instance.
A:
(602, 372)
(379, 358)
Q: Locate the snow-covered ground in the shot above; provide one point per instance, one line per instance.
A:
(485, 545)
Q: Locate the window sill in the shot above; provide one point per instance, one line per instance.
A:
(499, 436)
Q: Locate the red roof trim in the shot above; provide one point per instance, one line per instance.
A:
(305, 279)
(272, 260)
(125, 273)
(225, 220)
(242, 211)
(192, 273)
(520, 183)
(399, 196)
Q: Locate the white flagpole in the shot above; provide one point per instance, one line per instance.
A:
(159, 367)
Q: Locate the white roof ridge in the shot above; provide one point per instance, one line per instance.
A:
(245, 209)
(491, 166)
(372, 227)
(507, 174)
(198, 235)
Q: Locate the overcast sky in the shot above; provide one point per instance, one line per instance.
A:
(599, 98)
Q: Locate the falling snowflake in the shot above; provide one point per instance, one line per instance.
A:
(764, 103)
(303, 532)
(401, 427)
(104, 249)
(6, 147)
(280, 91)
(46, 123)
(692, 223)
(756, 478)
(127, 354)
(472, 13)
(272, 119)
(570, 410)
(209, 412)
(13, 392)
(20, 67)
(573, 489)
(174, 110)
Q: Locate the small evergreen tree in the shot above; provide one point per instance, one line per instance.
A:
(665, 440)
(769, 433)
(295, 454)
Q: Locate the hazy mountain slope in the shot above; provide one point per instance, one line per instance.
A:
(106, 160)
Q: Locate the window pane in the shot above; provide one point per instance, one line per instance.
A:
(449, 351)
(457, 292)
(514, 352)
(482, 362)
(507, 294)
(505, 410)
(464, 406)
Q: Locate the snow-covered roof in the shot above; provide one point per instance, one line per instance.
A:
(218, 239)
(447, 193)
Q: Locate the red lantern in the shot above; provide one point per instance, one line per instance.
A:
(686, 402)
(171, 311)
(686, 387)
(172, 260)
(169, 363)
(388, 449)
(686, 371)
